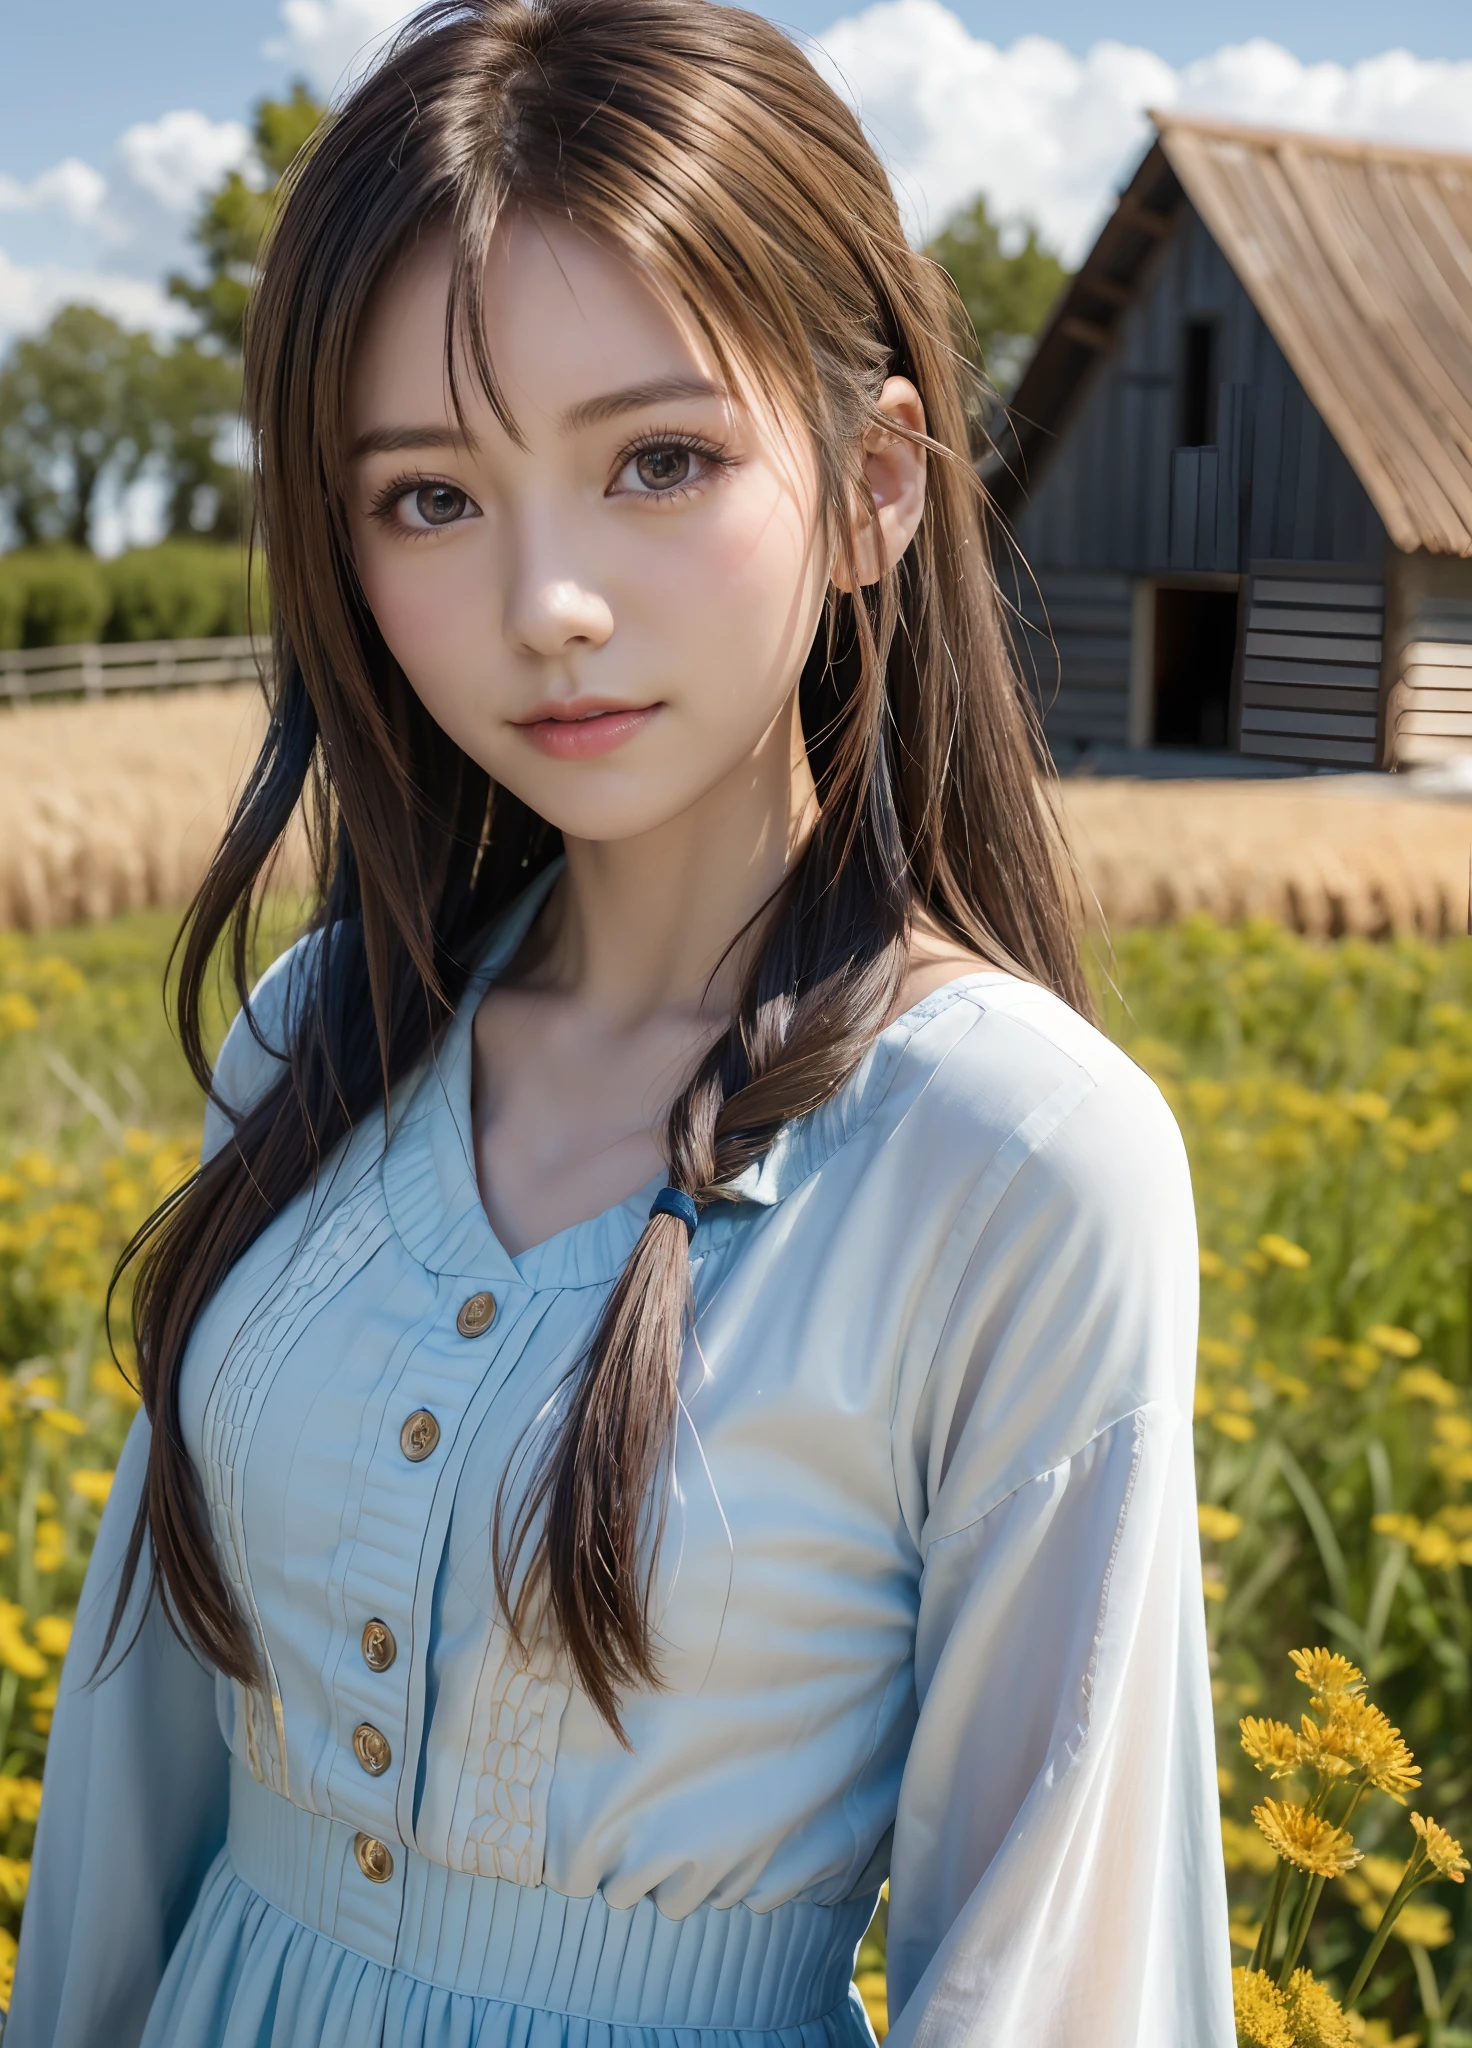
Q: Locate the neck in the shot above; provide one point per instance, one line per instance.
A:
(641, 925)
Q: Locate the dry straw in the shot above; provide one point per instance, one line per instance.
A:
(118, 805)
(114, 806)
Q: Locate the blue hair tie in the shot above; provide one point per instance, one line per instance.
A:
(675, 1202)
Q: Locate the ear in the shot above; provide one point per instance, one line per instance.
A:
(895, 469)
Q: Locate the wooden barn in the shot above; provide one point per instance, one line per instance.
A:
(1239, 463)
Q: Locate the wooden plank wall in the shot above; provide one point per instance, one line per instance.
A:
(1072, 636)
(1311, 663)
(1429, 706)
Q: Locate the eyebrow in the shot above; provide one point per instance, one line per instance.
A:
(588, 412)
(591, 412)
(390, 440)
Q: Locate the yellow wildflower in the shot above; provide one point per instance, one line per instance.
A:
(1440, 1848)
(1326, 1749)
(15, 1875)
(1219, 1524)
(1317, 2018)
(63, 1422)
(1213, 1585)
(1217, 1352)
(1329, 1676)
(1399, 1528)
(20, 1802)
(92, 1486)
(1261, 2011)
(1283, 1251)
(1324, 1347)
(1435, 1547)
(1368, 1106)
(1394, 1341)
(1423, 1922)
(17, 1012)
(1272, 1745)
(1303, 1839)
(1243, 1848)
(1213, 1265)
(52, 1635)
(1241, 1324)
(1425, 1383)
(1363, 1734)
(1255, 1261)
(1240, 1428)
(16, 1654)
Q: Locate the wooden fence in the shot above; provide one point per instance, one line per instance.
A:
(30, 672)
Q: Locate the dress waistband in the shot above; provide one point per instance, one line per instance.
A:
(722, 1967)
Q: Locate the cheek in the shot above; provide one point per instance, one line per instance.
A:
(747, 592)
(429, 605)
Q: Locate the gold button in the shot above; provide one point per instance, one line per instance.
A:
(370, 1746)
(419, 1435)
(374, 1859)
(476, 1317)
(379, 1647)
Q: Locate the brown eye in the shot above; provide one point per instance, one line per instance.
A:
(440, 504)
(662, 468)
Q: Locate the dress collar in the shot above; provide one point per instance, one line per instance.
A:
(429, 1175)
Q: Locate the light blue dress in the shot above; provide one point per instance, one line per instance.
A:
(928, 1603)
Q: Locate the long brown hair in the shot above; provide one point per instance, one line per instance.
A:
(697, 140)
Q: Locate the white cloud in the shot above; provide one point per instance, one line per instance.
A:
(1050, 135)
(181, 155)
(72, 188)
(332, 40)
(31, 293)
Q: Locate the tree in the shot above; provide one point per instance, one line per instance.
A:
(194, 405)
(234, 218)
(73, 415)
(1006, 294)
(87, 405)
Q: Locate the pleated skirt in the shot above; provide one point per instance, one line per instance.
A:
(291, 1945)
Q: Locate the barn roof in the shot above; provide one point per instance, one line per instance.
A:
(1358, 256)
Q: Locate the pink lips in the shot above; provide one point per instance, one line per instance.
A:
(579, 732)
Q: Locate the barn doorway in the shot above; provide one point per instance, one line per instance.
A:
(1195, 648)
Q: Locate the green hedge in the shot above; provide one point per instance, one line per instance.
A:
(180, 590)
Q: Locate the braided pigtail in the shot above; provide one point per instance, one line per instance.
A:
(824, 980)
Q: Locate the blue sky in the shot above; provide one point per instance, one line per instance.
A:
(114, 119)
(78, 72)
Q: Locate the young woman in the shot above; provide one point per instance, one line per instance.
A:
(666, 1401)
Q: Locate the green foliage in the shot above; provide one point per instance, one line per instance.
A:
(180, 590)
(1007, 295)
(86, 405)
(51, 596)
(1325, 1094)
(72, 414)
(234, 218)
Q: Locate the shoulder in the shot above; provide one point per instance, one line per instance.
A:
(1001, 1067)
(256, 1044)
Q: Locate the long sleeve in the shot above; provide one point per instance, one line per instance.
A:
(1056, 1876)
(134, 1803)
(132, 1814)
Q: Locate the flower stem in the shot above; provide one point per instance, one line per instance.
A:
(1267, 1934)
(1408, 1883)
(1298, 1934)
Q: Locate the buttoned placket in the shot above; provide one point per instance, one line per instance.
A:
(448, 1383)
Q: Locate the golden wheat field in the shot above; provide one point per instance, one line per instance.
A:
(115, 806)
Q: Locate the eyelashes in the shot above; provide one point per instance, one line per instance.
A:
(714, 460)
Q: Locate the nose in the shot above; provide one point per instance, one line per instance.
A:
(550, 606)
